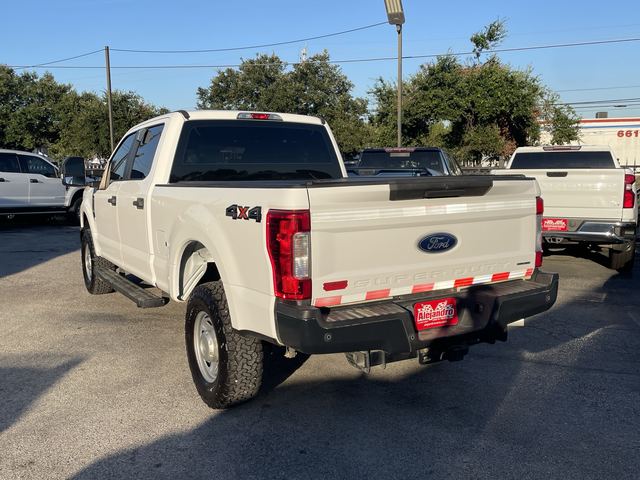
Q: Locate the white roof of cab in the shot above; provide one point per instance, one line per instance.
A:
(228, 115)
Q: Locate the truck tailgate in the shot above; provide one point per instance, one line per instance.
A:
(368, 236)
(580, 193)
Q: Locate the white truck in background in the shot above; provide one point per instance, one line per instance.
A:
(589, 198)
(250, 218)
(31, 184)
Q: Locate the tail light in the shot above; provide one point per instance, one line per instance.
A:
(629, 198)
(289, 247)
(539, 213)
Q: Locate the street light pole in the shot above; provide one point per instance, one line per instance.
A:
(399, 29)
(395, 15)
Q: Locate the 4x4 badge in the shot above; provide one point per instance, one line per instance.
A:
(238, 212)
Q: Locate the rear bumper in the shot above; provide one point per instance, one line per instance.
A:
(595, 232)
(484, 312)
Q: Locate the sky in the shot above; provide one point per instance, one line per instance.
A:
(45, 31)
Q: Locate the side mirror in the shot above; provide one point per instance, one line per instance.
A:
(73, 172)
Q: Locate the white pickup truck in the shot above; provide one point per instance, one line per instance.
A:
(589, 199)
(31, 184)
(251, 219)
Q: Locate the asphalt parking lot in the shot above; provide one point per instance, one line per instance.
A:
(91, 387)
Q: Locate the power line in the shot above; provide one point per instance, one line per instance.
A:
(251, 47)
(597, 88)
(343, 32)
(61, 60)
(596, 102)
(356, 60)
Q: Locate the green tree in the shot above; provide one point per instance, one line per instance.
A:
(86, 120)
(256, 85)
(488, 38)
(313, 87)
(30, 109)
(40, 113)
(478, 110)
(557, 120)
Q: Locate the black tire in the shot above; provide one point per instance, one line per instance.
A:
(240, 358)
(73, 213)
(93, 284)
(622, 261)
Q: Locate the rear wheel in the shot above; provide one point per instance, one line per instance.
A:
(90, 262)
(226, 367)
(622, 261)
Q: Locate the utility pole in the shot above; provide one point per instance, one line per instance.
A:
(399, 29)
(108, 67)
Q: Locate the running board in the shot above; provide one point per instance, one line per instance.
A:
(139, 295)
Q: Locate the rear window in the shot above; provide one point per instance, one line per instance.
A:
(548, 160)
(228, 150)
(9, 163)
(430, 160)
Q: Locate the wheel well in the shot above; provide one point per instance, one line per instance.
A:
(211, 275)
(79, 193)
(196, 267)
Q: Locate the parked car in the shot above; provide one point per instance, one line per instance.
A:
(31, 183)
(250, 219)
(589, 199)
(405, 161)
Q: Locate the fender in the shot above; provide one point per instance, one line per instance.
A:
(86, 215)
(191, 249)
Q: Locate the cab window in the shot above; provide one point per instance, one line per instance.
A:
(9, 163)
(119, 158)
(38, 166)
(143, 158)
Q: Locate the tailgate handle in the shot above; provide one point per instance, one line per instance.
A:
(557, 174)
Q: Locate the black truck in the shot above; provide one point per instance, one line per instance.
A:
(404, 162)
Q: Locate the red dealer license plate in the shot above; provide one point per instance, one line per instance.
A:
(554, 224)
(435, 313)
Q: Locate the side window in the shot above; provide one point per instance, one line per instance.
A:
(145, 152)
(9, 163)
(119, 158)
(37, 166)
(453, 165)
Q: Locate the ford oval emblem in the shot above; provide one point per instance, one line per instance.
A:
(437, 242)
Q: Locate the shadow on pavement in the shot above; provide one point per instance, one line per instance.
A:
(580, 251)
(27, 242)
(21, 385)
(568, 407)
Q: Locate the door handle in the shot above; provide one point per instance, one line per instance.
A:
(34, 180)
(557, 174)
(3, 180)
(139, 203)
(112, 200)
